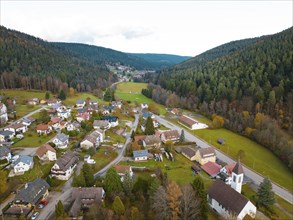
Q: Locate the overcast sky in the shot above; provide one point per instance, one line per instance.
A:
(174, 27)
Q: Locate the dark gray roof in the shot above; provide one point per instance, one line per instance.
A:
(229, 198)
(62, 137)
(4, 151)
(238, 169)
(81, 110)
(24, 159)
(80, 102)
(67, 160)
(188, 151)
(6, 133)
(110, 118)
(33, 192)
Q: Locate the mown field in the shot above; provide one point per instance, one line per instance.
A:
(256, 156)
(131, 91)
(22, 95)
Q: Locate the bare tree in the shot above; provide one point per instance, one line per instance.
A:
(160, 204)
(189, 207)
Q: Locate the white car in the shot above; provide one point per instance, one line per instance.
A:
(35, 215)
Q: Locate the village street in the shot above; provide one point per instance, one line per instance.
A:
(257, 178)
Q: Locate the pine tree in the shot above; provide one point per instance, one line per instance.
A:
(62, 95)
(59, 209)
(266, 196)
(132, 135)
(149, 127)
(127, 184)
(200, 193)
(118, 206)
(47, 95)
(112, 182)
(88, 174)
(182, 136)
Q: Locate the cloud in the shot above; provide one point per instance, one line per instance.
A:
(136, 33)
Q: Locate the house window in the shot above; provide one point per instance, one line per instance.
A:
(239, 180)
(234, 178)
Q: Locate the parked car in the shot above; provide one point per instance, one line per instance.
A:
(40, 206)
(35, 215)
(44, 202)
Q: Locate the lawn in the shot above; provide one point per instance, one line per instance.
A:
(39, 170)
(266, 163)
(131, 91)
(22, 110)
(103, 156)
(179, 170)
(114, 138)
(70, 101)
(32, 139)
(23, 95)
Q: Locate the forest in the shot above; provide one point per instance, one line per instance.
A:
(249, 83)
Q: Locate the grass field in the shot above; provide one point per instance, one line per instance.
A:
(266, 163)
(82, 96)
(22, 110)
(131, 91)
(103, 156)
(32, 139)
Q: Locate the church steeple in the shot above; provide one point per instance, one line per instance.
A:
(237, 177)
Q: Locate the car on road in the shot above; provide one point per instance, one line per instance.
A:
(35, 215)
(44, 202)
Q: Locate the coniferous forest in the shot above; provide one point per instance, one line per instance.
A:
(248, 82)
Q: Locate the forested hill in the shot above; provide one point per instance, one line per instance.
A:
(161, 60)
(249, 83)
(31, 63)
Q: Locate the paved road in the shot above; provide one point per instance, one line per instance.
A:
(257, 178)
(121, 151)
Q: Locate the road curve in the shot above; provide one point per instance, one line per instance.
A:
(256, 177)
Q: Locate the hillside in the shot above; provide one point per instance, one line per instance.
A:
(161, 60)
(32, 63)
(248, 82)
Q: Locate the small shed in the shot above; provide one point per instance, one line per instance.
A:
(221, 141)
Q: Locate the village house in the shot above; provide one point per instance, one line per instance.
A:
(5, 153)
(113, 120)
(53, 102)
(151, 141)
(101, 124)
(64, 166)
(6, 136)
(46, 152)
(23, 164)
(28, 121)
(61, 141)
(139, 139)
(122, 170)
(140, 155)
(43, 129)
(63, 112)
(32, 193)
(80, 103)
(147, 114)
(227, 200)
(144, 105)
(211, 168)
(33, 101)
(189, 153)
(117, 104)
(3, 114)
(84, 197)
(93, 140)
(191, 123)
(204, 155)
(172, 136)
(54, 122)
(84, 116)
(17, 128)
(73, 126)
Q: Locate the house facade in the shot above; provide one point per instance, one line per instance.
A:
(191, 123)
(23, 164)
(61, 141)
(43, 129)
(6, 136)
(17, 128)
(5, 153)
(46, 152)
(140, 155)
(64, 166)
(204, 155)
(172, 136)
(113, 120)
(189, 153)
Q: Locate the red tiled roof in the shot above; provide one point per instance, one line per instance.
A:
(42, 127)
(187, 120)
(229, 168)
(211, 168)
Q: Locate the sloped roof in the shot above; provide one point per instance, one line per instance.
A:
(42, 127)
(238, 169)
(171, 134)
(80, 102)
(62, 137)
(188, 151)
(187, 120)
(152, 139)
(100, 123)
(66, 160)
(33, 192)
(24, 159)
(6, 133)
(211, 168)
(140, 153)
(207, 152)
(110, 118)
(229, 168)
(229, 198)
(122, 168)
(4, 151)
(43, 149)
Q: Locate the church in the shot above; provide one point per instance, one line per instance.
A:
(227, 200)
